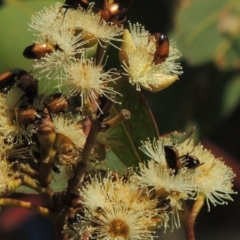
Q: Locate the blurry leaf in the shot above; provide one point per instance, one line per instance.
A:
(209, 30)
(23, 189)
(15, 36)
(113, 162)
(140, 127)
(180, 137)
(231, 96)
(60, 180)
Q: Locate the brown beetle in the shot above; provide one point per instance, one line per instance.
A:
(39, 50)
(115, 12)
(7, 79)
(25, 117)
(191, 162)
(162, 48)
(164, 206)
(173, 159)
(45, 126)
(56, 103)
(29, 85)
(75, 4)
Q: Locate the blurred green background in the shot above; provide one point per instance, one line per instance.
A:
(206, 96)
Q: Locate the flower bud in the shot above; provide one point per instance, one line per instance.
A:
(89, 38)
(57, 103)
(164, 82)
(25, 117)
(127, 44)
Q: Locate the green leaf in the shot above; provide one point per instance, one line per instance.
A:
(140, 127)
(180, 137)
(231, 96)
(113, 162)
(209, 30)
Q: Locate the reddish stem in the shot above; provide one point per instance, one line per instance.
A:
(197, 206)
(188, 217)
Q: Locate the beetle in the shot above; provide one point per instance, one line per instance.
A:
(191, 162)
(115, 12)
(76, 218)
(25, 117)
(56, 169)
(75, 4)
(56, 103)
(29, 85)
(7, 79)
(39, 50)
(164, 206)
(173, 159)
(162, 48)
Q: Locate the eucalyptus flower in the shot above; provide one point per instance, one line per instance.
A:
(7, 183)
(115, 217)
(137, 55)
(95, 27)
(215, 178)
(42, 21)
(102, 192)
(88, 81)
(118, 222)
(162, 179)
(155, 149)
(69, 128)
(65, 45)
(58, 41)
(5, 177)
(10, 129)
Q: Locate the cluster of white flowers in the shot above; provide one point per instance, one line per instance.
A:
(70, 139)
(6, 174)
(138, 50)
(65, 38)
(196, 171)
(129, 207)
(114, 208)
(10, 129)
(66, 35)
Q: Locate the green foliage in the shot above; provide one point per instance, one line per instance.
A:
(14, 16)
(231, 96)
(207, 35)
(140, 127)
(178, 136)
(209, 30)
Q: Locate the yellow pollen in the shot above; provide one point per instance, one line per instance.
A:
(118, 228)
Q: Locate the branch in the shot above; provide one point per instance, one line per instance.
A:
(188, 217)
(193, 215)
(82, 165)
(9, 202)
(29, 182)
(46, 135)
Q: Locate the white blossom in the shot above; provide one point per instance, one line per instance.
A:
(138, 49)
